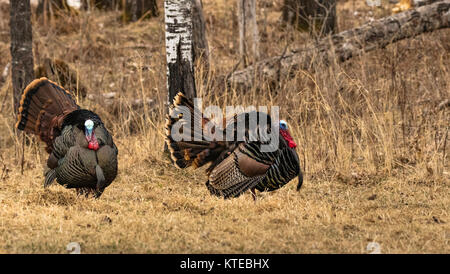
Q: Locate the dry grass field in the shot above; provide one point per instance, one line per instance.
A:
(372, 140)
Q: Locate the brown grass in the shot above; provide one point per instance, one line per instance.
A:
(372, 142)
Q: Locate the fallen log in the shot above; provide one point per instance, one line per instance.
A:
(113, 99)
(342, 46)
(419, 3)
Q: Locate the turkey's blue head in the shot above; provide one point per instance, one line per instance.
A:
(90, 135)
(284, 131)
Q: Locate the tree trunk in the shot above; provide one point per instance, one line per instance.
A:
(21, 48)
(316, 16)
(349, 43)
(248, 30)
(48, 8)
(133, 10)
(100, 4)
(200, 43)
(179, 52)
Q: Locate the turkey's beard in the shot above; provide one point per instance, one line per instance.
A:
(288, 138)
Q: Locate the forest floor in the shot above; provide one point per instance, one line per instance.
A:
(372, 140)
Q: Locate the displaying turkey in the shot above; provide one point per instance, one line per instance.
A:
(82, 152)
(235, 166)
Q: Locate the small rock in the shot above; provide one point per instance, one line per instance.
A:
(438, 221)
(107, 220)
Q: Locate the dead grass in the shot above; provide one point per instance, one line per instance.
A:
(373, 144)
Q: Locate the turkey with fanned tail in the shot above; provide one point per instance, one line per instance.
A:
(236, 165)
(82, 152)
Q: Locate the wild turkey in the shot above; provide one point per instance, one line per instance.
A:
(82, 152)
(235, 166)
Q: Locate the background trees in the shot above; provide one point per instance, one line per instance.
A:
(374, 124)
(21, 47)
(134, 10)
(248, 31)
(200, 43)
(317, 16)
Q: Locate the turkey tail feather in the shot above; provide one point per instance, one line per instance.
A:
(42, 109)
(190, 152)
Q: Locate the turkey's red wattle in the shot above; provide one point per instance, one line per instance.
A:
(288, 138)
(93, 145)
(92, 142)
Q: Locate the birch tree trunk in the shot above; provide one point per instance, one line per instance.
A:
(349, 43)
(179, 52)
(248, 30)
(316, 16)
(200, 43)
(21, 48)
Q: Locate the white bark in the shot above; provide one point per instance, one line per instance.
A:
(178, 29)
(179, 52)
